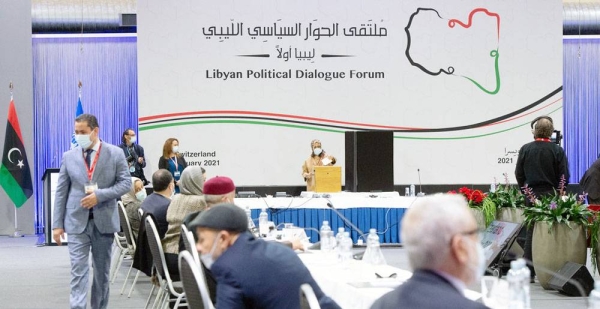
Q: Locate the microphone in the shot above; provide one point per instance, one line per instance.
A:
(420, 185)
(357, 256)
(361, 234)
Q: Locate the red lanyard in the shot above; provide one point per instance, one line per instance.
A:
(175, 162)
(90, 170)
(542, 139)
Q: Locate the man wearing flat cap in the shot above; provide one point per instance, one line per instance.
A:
(250, 272)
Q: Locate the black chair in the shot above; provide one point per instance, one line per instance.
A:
(126, 227)
(189, 243)
(193, 282)
(164, 278)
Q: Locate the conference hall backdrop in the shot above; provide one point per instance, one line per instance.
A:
(246, 85)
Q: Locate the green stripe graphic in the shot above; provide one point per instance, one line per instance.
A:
(315, 128)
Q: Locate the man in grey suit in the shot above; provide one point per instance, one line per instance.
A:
(92, 177)
(440, 234)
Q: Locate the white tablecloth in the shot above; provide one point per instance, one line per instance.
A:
(340, 281)
(339, 200)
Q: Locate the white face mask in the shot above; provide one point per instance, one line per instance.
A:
(175, 149)
(207, 258)
(83, 140)
(477, 268)
(141, 196)
(133, 139)
(317, 151)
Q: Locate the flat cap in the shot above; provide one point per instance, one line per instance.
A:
(228, 217)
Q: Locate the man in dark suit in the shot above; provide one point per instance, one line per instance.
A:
(440, 235)
(590, 183)
(134, 153)
(250, 272)
(92, 176)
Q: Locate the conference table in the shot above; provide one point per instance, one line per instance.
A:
(382, 211)
(354, 285)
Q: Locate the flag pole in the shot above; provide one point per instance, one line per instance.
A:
(16, 233)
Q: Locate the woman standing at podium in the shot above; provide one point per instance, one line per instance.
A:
(318, 157)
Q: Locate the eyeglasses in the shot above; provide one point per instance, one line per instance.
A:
(472, 232)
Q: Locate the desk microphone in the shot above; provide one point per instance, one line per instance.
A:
(357, 256)
(361, 234)
(420, 185)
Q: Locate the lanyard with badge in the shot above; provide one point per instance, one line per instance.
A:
(91, 186)
(132, 165)
(542, 139)
(176, 173)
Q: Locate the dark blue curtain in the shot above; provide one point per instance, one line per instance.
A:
(107, 67)
(581, 103)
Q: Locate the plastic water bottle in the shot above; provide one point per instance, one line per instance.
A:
(594, 299)
(263, 223)
(515, 287)
(412, 190)
(373, 254)
(526, 277)
(345, 248)
(325, 236)
(339, 237)
(251, 225)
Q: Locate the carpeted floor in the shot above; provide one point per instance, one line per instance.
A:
(38, 278)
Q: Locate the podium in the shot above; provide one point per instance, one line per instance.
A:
(50, 182)
(328, 179)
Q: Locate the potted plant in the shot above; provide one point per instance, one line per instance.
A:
(509, 201)
(483, 209)
(560, 222)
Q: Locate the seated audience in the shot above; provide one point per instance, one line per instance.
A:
(190, 200)
(132, 201)
(250, 272)
(158, 202)
(441, 238)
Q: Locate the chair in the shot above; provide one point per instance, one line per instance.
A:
(126, 228)
(308, 299)
(160, 264)
(194, 285)
(123, 245)
(189, 243)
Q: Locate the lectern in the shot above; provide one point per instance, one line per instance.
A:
(328, 178)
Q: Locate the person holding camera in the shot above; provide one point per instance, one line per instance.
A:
(134, 154)
(540, 166)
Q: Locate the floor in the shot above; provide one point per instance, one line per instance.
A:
(38, 277)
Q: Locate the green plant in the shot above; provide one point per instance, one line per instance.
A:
(558, 208)
(594, 230)
(507, 195)
(478, 200)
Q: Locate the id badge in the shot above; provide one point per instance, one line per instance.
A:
(132, 169)
(90, 187)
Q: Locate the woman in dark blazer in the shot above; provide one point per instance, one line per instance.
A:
(172, 160)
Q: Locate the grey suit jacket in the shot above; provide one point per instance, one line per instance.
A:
(113, 179)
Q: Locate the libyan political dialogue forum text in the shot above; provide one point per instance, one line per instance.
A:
(297, 74)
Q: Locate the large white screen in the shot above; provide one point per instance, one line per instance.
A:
(499, 60)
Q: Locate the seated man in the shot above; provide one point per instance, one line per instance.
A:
(440, 235)
(250, 272)
(158, 202)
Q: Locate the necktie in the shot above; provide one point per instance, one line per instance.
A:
(88, 157)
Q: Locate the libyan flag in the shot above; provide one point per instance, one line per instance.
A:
(15, 176)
